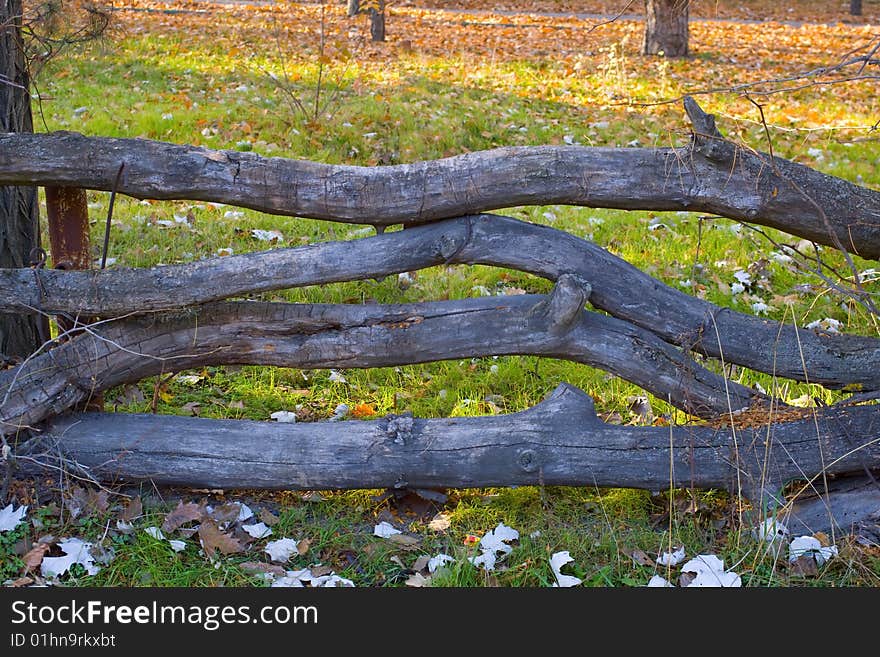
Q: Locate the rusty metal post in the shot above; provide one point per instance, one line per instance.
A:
(68, 214)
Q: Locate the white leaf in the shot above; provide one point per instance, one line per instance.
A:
(288, 417)
(743, 277)
(807, 545)
(124, 527)
(828, 324)
(384, 530)
(496, 540)
(671, 558)
(339, 412)
(267, 235)
(760, 308)
(336, 377)
(656, 582)
(177, 546)
(557, 561)
(435, 562)
(258, 530)
(156, 533)
(189, 379)
(486, 560)
(233, 214)
(293, 579)
(330, 581)
(281, 550)
(75, 551)
(10, 519)
(244, 512)
(736, 288)
(770, 531)
(710, 572)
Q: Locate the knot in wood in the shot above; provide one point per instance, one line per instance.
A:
(398, 428)
(527, 460)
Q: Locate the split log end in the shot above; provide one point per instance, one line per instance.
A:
(707, 138)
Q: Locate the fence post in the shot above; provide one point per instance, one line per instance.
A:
(69, 245)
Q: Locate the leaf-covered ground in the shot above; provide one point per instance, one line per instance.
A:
(270, 79)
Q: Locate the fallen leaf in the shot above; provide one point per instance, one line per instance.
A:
(155, 532)
(418, 580)
(193, 408)
(805, 566)
(671, 558)
(281, 550)
(639, 557)
(257, 530)
(303, 546)
(225, 514)
(770, 531)
(177, 546)
(440, 523)
(657, 581)
(557, 561)
(385, 530)
(34, 556)
(812, 547)
(405, 541)
(213, 539)
(260, 568)
(268, 517)
(21, 581)
(421, 563)
(709, 571)
(134, 508)
(285, 417)
(75, 551)
(10, 519)
(363, 410)
(439, 560)
(312, 496)
(320, 570)
(181, 515)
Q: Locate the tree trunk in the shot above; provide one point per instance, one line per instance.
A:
(559, 442)
(855, 7)
(377, 22)
(354, 7)
(666, 28)
(22, 333)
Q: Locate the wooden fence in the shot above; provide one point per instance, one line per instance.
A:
(176, 317)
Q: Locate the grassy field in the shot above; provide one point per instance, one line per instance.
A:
(283, 81)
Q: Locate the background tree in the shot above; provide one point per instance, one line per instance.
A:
(354, 7)
(20, 334)
(666, 28)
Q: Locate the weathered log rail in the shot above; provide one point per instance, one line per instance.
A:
(171, 318)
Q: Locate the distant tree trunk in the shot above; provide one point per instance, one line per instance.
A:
(855, 7)
(377, 22)
(666, 28)
(20, 334)
(354, 7)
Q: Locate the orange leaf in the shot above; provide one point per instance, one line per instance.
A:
(363, 410)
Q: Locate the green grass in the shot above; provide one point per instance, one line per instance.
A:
(190, 90)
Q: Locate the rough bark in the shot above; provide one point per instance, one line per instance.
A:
(618, 288)
(703, 177)
(666, 28)
(354, 7)
(20, 334)
(377, 22)
(850, 505)
(560, 441)
(855, 7)
(346, 336)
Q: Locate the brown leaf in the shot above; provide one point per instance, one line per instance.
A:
(405, 541)
(320, 570)
(418, 581)
(421, 563)
(258, 567)
(21, 581)
(685, 579)
(440, 523)
(181, 515)
(213, 539)
(268, 517)
(35, 556)
(132, 510)
(805, 566)
(226, 513)
(639, 557)
(193, 408)
(303, 546)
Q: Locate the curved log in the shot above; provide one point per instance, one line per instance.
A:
(710, 175)
(560, 441)
(618, 288)
(348, 336)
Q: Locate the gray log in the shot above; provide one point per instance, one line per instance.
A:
(349, 336)
(850, 504)
(618, 288)
(732, 182)
(560, 441)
